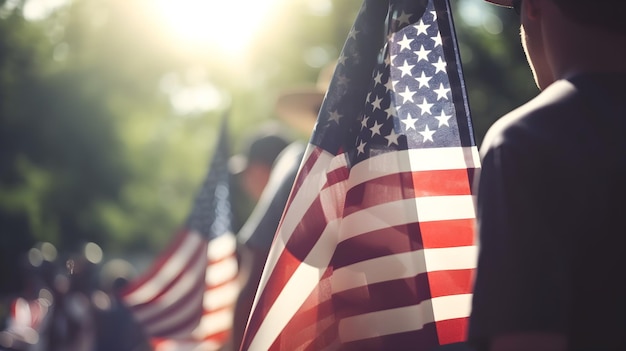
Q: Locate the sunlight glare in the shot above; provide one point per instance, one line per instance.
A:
(229, 25)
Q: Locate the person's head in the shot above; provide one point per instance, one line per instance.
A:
(565, 37)
(299, 106)
(254, 165)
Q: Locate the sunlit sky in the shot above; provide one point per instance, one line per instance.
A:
(228, 27)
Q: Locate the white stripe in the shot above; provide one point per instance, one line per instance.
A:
(213, 322)
(451, 307)
(221, 247)
(402, 265)
(176, 345)
(296, 290)
(423, 209)
(183, 286)
(221, 296)
(451, 258)
(221, 271)
(302, 200)
(174, 265)
(415, 160)
(404, 319)
(174, 318)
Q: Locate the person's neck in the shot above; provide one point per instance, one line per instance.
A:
(589, 51)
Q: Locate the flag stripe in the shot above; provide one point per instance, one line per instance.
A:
(281, 300)
(185, 300)
(403, 265)
(169, 272)
(375, 250)
(403, 319)
(406, 211)
(402, 238)
(182, 286)
(304, 197)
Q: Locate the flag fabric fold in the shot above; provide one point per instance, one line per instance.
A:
(375, 249)
(185, 300)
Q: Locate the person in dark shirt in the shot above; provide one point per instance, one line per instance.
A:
(298, 108)
(552, 189)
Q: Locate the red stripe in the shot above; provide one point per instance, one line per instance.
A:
(198, 254)
(193, 296)
(378, 243)
(312, 322)
(406, 185)
(423, 339)
(286, 265)
(449, 233)
(452, 330)
(382, 296)
(210, 267)
(159, 263)
(450, 282)
(299, 245)
(441, 182)
(219, 337)
(404, 238)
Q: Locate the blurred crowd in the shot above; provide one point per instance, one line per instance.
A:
(69, 303)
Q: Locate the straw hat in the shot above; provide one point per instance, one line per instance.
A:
(299, 106)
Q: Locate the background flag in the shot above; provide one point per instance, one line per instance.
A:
(375, 250)
(185, 300)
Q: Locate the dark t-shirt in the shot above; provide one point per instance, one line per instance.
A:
(551, 218)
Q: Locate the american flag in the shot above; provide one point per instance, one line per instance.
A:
(375, 249)
(185, 300)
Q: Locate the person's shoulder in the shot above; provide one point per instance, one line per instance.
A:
(536, 119)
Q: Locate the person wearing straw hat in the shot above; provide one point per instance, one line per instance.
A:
(550, 194)
(297, 107)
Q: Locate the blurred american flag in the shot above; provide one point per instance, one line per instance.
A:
(185, 299)
(376, 249)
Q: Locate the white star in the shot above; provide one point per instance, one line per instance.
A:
(443, 119)
(405, 43)
(409, 122)
(407, 95)
(422, 54)
(376, 103)
(391, 59)
(425, 107)
(378, 78)
(353, 33)
(335, 116)
(440, 65)
(361, 147)
(406, 69)
(389, 84)
(423, 80)
(404, 18)
(392, 138)
(437, 40)
(434, 13)
(342, 80)
(342, 59)
(421, 28)
(376, 128)
(442, 93)
(427, 134)
(364, 122)
(390, 111)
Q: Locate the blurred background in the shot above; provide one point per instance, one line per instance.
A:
(110, 109)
